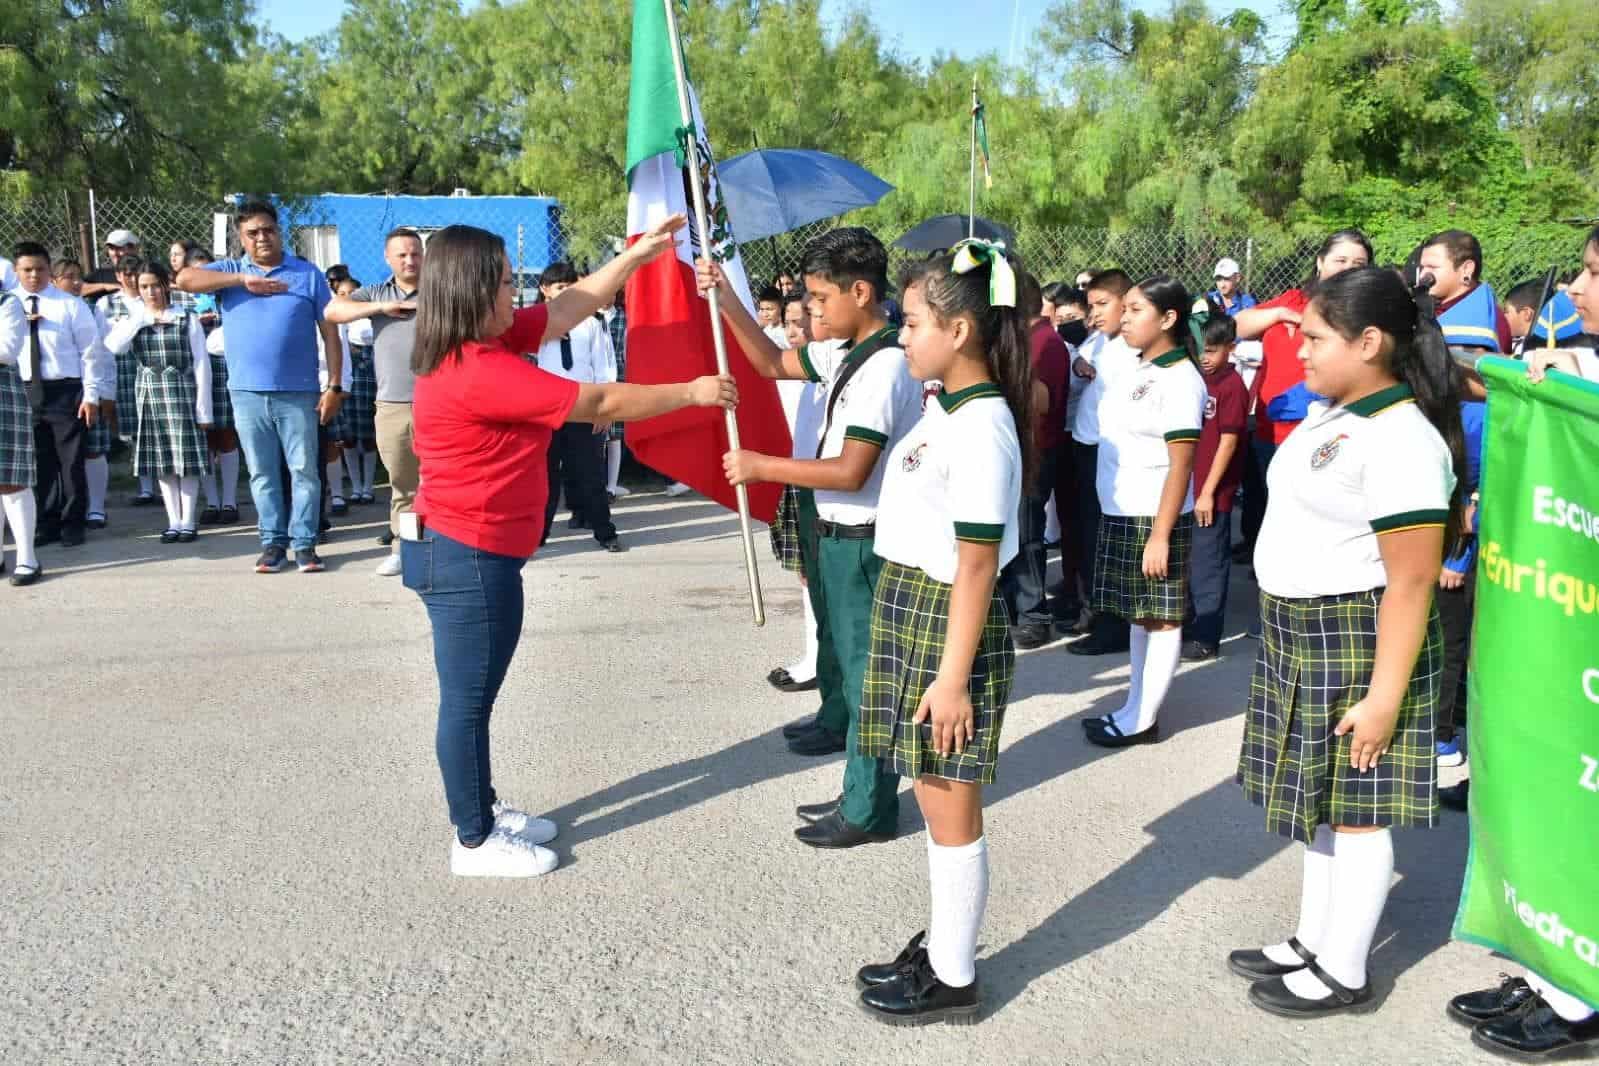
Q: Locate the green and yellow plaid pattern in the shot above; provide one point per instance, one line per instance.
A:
(786, 543)
(1120, 587)
(910, 619)
(1315, 663)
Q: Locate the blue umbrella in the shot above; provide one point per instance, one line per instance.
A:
(775, 190)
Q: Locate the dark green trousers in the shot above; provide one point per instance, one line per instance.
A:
(849, 570)
(834, 713)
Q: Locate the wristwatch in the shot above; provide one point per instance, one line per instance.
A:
(337, 390)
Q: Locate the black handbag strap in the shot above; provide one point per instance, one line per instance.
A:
(887, 337)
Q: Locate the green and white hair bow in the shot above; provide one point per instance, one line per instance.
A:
(971, 253)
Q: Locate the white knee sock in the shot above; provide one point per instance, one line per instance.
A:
(958, 883)
(335, 473)
(352, 466)
(1138, 652)
(98, 472)
(228, 468)
(22, 513)
(208, 483)
(169, 496)
(1564, 1004)
(146, 484)
(1051, 521)
(369, 469)
(1363, 871)
(1315, 897)
(188, 502)
(1164, 648)
(613, 463)
(804, 668)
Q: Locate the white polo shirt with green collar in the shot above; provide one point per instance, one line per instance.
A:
(1160, 401)
(1344, 476)
(878, 405)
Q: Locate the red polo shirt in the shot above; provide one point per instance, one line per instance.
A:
(1280, 369)
(1050, 361)
(482, 427)
(1226, 411)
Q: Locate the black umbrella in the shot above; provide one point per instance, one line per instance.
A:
(942, 232)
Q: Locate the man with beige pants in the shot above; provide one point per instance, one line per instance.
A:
(392, 308)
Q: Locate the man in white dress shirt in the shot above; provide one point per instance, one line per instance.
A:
(577, 451)
(65, 371)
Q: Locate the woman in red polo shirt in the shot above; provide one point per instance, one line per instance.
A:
(483, 418)
(1276, 324)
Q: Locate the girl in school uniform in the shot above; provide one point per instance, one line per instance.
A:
(1338, 743)
(941, 658)
(172, 396)
(221, 439)
(17, 465)
(360, 437)
(1150, 422)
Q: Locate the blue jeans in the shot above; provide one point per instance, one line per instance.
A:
(474, 603)
(278, 428)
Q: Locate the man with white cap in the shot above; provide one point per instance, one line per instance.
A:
(1228, 293)
(103, 279)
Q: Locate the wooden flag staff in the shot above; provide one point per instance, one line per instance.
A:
(702, 227)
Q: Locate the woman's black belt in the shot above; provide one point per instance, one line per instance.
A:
(838, 531)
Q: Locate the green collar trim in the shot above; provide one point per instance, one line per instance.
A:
(883, 338)
(951, 401)
(1380, 401)
(1171, 358)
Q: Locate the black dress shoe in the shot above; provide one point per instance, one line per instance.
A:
(71, 537)
(1097, 722)
(1258, 966)
(1491, 1004)
(1536, 1034)
(94, 521)
(24, 578)
(46, 536)
(779, 677)
(815, 812)
(1110, 735)
(576, 523)
(877, 973)
(1198, 651)
(817, 742)
(187, 536)
(142, 500)
(801, 726)
(170, 537)
(834, 832)
(230, 515)
(1026, 638)
(210, 516)
(614, 545)
(784, 681)
(1274, 997)
(916, 996)
(1096, 644)
(1456, 797)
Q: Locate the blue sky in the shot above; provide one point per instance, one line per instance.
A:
(918, 27)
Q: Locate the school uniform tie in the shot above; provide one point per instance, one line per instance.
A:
(566, 353)
(33, 379)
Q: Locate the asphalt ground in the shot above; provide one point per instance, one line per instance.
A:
(224, 837)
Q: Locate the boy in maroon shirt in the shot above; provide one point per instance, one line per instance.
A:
(1218, 470)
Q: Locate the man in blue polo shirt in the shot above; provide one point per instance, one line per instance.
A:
(1228, 293)
(272, 305)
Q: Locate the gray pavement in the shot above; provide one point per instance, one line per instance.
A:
(224, 837)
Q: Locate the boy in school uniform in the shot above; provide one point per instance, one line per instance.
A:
(1218, 471)
(872, 402)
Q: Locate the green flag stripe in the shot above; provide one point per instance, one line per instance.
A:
(652, 109)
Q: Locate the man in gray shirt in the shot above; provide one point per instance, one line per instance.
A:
(392, 308)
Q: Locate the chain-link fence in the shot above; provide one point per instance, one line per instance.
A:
(351, 229)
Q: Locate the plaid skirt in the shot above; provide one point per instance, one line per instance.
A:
(1120, 587)
(127, 393)
(785, 531)
(910, 617)
(1315, 663)
(361, 404)
(169, 439)
(17, 465)
(221, 401)
(97, 438)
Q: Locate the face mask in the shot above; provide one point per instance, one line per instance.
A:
(1073, 333)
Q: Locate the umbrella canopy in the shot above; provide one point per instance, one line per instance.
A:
(774, 190)
(942, 232)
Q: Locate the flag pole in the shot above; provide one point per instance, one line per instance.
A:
(971, 184)
(702, 227)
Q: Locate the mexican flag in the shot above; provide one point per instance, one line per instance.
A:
(668, 323)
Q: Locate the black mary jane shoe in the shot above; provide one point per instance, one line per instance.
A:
(915, 996)
(187, 536)
(1491, 1004)
(815, 812)
(1536, 1033)
(1274, 997)
(229, 516)
(817, 742)
(170, 536)
(834, 832)
(1256, 965)
(22, 577)
(878, 973)
(1097, 722)
(800, 726)
(1110, 735)
(210, 516)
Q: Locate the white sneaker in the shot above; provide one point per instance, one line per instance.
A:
(502, 854)
(677, 488)
(531, 829)
(618, 491)
(390, 566)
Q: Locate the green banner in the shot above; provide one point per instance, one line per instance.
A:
(1532, 882)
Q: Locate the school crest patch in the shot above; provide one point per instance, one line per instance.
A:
(1210, 407)
(1327, 452)
(913, 459)
(1142, 390)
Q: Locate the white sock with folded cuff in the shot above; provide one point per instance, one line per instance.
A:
(958, 886)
